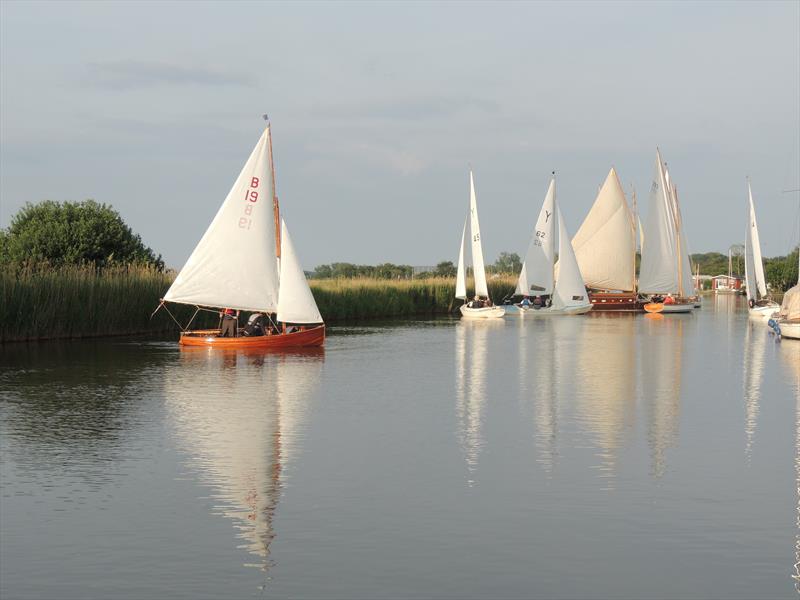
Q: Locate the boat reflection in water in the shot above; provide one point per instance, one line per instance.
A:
(470, 381)
(755, 340)
(661, 359)
(240, 416)
(606, 391)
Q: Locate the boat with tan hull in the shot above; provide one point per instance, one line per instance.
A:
(759, 305)
(556, 289)
(665, 275)
(481, 306)
(246, 262)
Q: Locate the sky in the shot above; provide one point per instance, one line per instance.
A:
(378, 111)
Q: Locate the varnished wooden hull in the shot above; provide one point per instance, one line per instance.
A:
(602, 301)
(208, 338)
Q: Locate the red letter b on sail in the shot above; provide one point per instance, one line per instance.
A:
(254, 182)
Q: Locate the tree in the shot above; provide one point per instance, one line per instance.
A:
(507, 262)
(446, 268)
(73, 233)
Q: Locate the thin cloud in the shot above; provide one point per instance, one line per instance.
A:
(123, 75)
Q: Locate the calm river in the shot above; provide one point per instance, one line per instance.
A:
(570, 457)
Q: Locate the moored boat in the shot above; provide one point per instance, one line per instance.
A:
(246, 262)
(759, 305)
(481, 306)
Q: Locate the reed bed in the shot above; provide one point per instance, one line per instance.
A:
(80, 301)
(363, 298)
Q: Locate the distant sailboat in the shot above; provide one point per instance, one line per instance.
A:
(759, 305)
(605, 248)
(246, 261)
(481, 307)
(664, 258)
(564, 294)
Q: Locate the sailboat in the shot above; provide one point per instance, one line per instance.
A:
(562, 294)
(605, 248)
(481, 307)
(665, 273)
(786, 322)
(245, 261)
(759, 305)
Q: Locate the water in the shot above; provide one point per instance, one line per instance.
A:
(571, 457)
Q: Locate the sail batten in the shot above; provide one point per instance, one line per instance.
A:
(234, 265)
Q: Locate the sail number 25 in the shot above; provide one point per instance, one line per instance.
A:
(250, 198)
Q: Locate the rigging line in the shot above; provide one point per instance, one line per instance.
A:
(173, 317)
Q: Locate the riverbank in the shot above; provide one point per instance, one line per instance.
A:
(76, 302)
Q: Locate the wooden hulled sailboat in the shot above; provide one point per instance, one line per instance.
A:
(245, 261)
(605, 248)
(481, 306)
(553, 294)
(758, 304)
(665, 274)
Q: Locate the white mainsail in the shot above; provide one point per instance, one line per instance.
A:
(569, 288)
(758, 262)
(537, 270)
(461, 278)
(295, 301)
(477, 252)
(605, 243)
(234, 264)
(658, 273)
(687, 287)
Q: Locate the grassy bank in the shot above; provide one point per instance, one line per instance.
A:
(74, 302)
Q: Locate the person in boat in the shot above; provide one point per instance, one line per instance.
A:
(230, 319)
(255, 325)
(669, 300)
(526, 302)
(537, 302)
(476, 303)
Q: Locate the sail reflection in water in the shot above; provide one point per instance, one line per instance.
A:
(471, 363)
(755, 340)
(661, 360)
(240, 416)
(607, 384)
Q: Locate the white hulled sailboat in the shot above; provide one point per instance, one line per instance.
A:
(481, 306)
(758, 304)
(561, 294)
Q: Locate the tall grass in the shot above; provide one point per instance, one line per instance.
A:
(71, 302)
(376, 298)
(78, 301)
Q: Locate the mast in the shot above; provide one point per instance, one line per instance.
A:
(635, 236)
(275, 207)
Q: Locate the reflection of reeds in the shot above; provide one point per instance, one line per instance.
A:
(80, 301)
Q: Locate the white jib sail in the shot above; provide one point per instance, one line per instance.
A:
(658, 273)
(234, 263)
(757, 260)
(461, 279)
(605, 243)
(477, 252)
(295, 301)
(536, 277)
(569, 289)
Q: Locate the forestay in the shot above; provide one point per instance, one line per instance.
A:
(659, 269)
(234, 264)
(295, 301)
(569, 288)
(605, 244)
(537, 271)
(477, 252)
